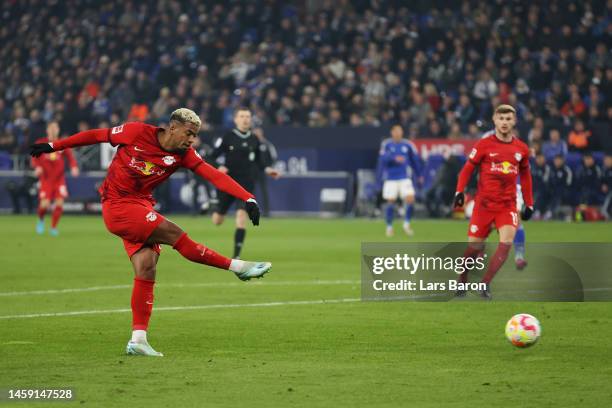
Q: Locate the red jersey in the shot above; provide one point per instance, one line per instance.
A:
(141, 164)
(53, 164)
(500, 164)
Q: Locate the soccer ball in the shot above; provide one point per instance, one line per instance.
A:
(523, 330)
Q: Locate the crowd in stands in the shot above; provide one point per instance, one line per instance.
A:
(436, 67)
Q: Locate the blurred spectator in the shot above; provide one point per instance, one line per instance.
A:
(8, 142)
(442, 190)
(540, 172)
(328, 64)
(560, 182)
(589, 180)
(555, 145)
(579, 137)
(606, 187)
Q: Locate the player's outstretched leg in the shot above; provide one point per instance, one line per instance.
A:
(168, 233)
(196, 252)
(519, 248)
(144, 262)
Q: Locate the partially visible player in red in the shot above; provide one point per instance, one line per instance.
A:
(50, 172)
(146, 156)
(501, 158)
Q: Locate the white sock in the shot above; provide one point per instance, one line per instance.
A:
(236, 265)
(139, 336)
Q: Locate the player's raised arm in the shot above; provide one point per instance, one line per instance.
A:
(122, 134)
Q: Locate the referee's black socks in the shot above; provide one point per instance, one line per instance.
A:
(238, 241)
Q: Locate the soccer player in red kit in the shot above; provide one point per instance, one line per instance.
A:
(146, 156)
(50, 172)
(501, 158)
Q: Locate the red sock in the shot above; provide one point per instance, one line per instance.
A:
(142, 303)
(471, 251)
(41, 213)
(499, 257)
(57, 213)
(199, 253)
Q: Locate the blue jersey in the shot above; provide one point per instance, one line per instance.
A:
(390, 168)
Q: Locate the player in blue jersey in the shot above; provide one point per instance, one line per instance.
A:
(399, 163)
(519, 237)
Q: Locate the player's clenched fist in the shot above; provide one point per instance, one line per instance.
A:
(39, 148)
(459, 199)
(252, 210)
(527, 213)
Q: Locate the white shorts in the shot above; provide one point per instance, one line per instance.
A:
(392, 189)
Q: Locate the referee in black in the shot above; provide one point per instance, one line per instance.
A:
(244, 159)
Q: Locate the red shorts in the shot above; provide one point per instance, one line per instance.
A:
(133, 220)
(52, 190)
(483, 219)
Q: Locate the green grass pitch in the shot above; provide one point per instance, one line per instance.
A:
(284, 350)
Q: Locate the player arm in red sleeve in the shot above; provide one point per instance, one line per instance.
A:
(85, 138)
(466, 173)
(464, 176)
(222, 181)
(123, 134)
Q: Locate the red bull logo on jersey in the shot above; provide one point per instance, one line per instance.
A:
(145, 167)
(504, 167)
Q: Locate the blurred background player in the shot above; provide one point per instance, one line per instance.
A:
(501, 159)
(606, 186)
(560, 182)
(400, 163)
(50, 171)
(146, 157)
(239, 154)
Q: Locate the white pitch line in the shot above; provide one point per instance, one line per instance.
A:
(175, 308)
(182, 285)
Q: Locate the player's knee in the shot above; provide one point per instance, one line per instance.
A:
(146, 271)
(410, 199)
(217, 219)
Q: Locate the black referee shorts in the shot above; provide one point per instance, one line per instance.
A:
(225, 200)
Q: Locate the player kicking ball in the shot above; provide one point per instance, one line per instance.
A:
(146, 156)
(501, 158)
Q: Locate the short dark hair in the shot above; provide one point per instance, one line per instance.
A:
(240, 109)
